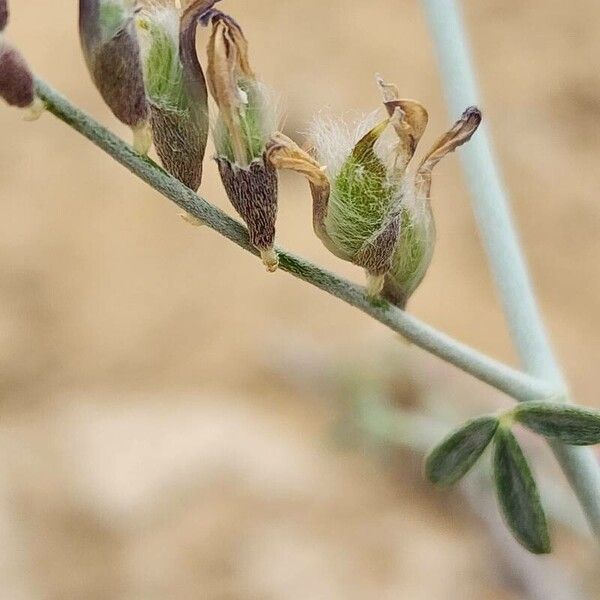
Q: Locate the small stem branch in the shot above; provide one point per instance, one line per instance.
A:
(510, 381)
(491, 207)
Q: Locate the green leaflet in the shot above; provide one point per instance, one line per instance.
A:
(518, 494)
(453, 458)
(570, 424)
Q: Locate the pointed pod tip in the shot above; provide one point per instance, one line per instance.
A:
(473, 114)
(35, 110)
(142, 138)
(270, 259)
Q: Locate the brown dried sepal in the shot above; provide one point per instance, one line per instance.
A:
(284, 153)
(253, 193)
(461, 132)
(409, 119)
(227, 63)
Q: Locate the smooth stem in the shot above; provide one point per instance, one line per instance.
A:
(494, 218)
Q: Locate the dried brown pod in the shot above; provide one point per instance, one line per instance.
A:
(112, 54)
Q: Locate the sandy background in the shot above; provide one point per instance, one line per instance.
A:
(168, 410)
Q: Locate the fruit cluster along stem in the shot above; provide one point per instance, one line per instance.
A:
(520, 386)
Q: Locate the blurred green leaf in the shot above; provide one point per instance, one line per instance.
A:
(518, 494)
(449, 461)
(570, 424)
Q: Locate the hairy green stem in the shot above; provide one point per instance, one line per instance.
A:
(491, 207)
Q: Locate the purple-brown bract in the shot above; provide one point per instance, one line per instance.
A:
(112, 54)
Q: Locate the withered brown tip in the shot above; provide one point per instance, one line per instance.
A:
(473, 114)
(201, 9)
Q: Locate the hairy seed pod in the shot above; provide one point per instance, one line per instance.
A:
(252, 191)
(378, 214)
(244, 128)
(176, 90)
(3, 14)
(112, 54)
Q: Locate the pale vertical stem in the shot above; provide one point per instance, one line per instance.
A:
(494, 218)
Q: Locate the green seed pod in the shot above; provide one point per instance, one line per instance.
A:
(378, 215)
(245, 126)
(3, 14)
(17, 87)
(176, 90)
(112, 54)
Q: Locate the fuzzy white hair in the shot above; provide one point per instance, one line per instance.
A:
(164, 17)
(334, 138)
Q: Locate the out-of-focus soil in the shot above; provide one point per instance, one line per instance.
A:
(149, 448)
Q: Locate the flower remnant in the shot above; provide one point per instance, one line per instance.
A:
(378, 214)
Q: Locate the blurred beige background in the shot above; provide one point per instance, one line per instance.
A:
(164, 426)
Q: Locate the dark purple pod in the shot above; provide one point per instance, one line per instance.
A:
(253, 193)
(3, 14)
(16, 81)
(112, 53)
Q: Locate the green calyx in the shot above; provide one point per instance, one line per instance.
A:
(362, 196)
(253, 120)
(113, 16)
(163, 70)
(413, 252)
